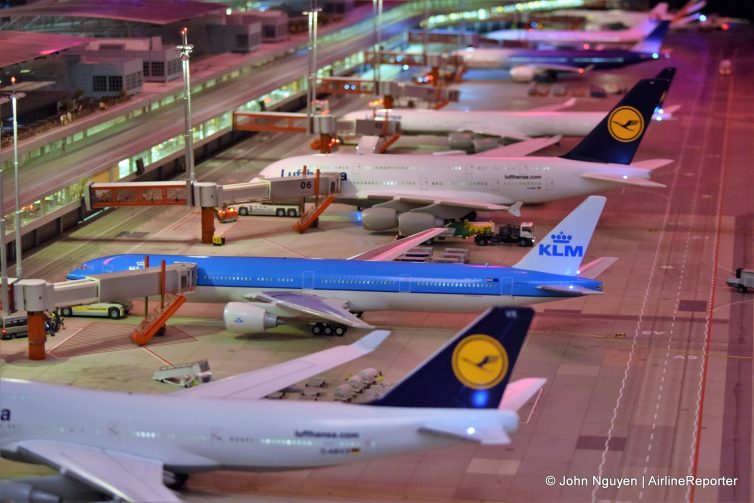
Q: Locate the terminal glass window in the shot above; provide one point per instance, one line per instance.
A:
(115, 83)
(99, 83)
(158, 68)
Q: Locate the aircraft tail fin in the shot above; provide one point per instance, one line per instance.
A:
(562, 249)
(617, 137)
(471, 371)
(653, 42)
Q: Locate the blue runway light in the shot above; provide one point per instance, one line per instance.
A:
(655, 55)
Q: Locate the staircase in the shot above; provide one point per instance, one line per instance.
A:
(156, 320)
(310, 216)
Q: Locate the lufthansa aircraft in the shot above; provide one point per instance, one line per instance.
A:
(121, 444)
(415, 192)
(466, 126)
(263, 292)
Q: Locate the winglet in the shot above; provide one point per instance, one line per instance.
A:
(562, 249)
(372, 340)
(521, 391)
(515, 209)
(471, 371)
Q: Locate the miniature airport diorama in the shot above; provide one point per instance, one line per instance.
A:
(375, 321)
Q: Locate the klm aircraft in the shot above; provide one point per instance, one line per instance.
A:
(126, 445)
(263, 292)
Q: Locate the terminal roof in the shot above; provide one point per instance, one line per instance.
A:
(159, 12)
(20, 46)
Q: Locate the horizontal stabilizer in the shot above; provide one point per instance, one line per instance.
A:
(651, 164)
(566, 289)
(521, 391)
(488, 436)
(596, 267)
(623, 179)
(521, 148)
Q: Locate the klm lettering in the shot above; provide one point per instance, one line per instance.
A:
(561, 250)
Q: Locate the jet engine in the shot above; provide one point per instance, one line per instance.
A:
(379, 218)
(412, 222)
(522, 74)
(245, 318)
(461, 141)
(21, 492)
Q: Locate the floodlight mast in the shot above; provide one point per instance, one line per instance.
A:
(185, 50)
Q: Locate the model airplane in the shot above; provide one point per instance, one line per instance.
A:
(263, 292)
(593, 38)
(526, 64)
(120, 444)
(465, 126)
(415, 192)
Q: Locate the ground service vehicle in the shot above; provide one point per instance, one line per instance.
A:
(16, 325)
(278, 210)
(226, 215)
(522, 235)
(112, 310)
(743, 281)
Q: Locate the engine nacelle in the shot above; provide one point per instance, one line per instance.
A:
(412, 222)
(461, 141)
(379, 219)
(20, 492)
(482, 144)
(522, 74)
(245, 318)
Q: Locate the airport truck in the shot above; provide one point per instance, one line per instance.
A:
(743, 280)
(520, 234)
(264, 209)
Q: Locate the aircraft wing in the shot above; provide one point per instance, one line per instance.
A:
(394, 249)
(556, 107)
(123, 476)
(259, 383)
(627, 180)
(575, 290)
(306, 306)
(521, 148)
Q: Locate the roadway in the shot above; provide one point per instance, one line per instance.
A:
(651, 379)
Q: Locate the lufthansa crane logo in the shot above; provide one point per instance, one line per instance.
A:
(625, 124)
(480, 362)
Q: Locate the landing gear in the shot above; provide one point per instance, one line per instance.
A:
(329, 329)
(175, 481)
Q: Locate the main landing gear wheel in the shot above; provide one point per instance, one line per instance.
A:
(329, 329)
(175, 481)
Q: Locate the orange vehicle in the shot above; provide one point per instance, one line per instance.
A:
(227, 215)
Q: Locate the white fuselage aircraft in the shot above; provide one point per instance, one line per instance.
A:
(512, 124)
(120, 444)
(416, 192)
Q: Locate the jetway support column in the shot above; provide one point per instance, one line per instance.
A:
(35, 296)
(208, 196)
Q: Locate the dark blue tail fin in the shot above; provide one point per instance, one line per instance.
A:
(653, 42)
(617, 136)
(667, 73)
(472, 370)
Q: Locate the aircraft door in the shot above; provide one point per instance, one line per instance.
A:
(216, 436)
(405, 284)
(506, 286)
(308, 280)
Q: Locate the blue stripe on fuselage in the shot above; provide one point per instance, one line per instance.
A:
(610, 58)
(348, 275)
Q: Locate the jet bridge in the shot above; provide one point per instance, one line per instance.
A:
(172, 282)
(209, 195)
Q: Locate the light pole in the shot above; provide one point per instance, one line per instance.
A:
(3, 247)
(17, 220)
(311, 81)
(188, 137)
(377, 8)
